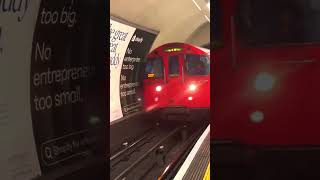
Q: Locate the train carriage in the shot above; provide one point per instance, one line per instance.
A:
(177, 81)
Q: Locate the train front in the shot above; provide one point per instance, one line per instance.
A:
(177, 82)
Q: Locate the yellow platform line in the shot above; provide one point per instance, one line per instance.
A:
(207, 173)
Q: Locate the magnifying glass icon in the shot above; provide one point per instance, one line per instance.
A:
(48, 153)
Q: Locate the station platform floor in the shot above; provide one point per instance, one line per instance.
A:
(197, 164)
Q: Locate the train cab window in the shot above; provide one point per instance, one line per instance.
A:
(174, 66)
(154, 68)
(197, 65)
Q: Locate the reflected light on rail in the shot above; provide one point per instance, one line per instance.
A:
(264, 82)
(150, 108)
(94, 120)
(158, 88)
(257, 117)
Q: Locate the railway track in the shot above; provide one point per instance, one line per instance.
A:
(156, 154)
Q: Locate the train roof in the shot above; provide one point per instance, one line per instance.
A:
(204, 49)
(182, 44)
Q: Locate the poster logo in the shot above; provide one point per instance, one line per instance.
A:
(137, 39)
(18, 7)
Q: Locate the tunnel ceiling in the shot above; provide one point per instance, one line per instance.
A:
(176, 20)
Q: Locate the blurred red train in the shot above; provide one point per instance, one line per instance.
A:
(266, 88)
(177, 81)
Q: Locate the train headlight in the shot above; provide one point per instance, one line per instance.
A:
(190, 98)
(257, 117)
(192, 87)
(264, 82)
(158, 88)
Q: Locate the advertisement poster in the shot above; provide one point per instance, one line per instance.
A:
(52, 101)
(129, 46)
(120, 36)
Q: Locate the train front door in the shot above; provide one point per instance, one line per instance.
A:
(175, 80)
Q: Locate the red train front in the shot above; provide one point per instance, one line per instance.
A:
(266, 89)
(177, 81)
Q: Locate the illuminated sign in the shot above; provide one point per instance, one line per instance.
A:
(173, 50)
(151, 75)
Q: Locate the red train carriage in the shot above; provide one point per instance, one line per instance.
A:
(266, 87)
(177, 80)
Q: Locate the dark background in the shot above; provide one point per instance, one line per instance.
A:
(269, 22)
(216, 27)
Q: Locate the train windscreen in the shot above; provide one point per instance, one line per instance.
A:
(269, 22)
(174, 67)
(197, 65)
(154, 68)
